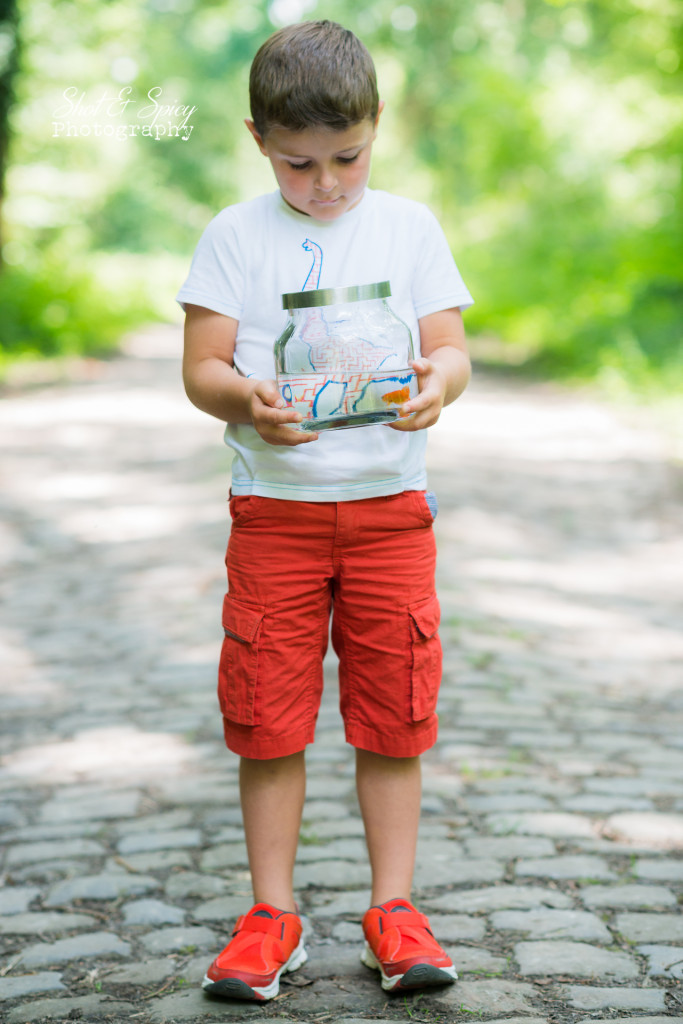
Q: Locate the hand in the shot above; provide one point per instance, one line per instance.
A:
(427, 405)
(272, 419)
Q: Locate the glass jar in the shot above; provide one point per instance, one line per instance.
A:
(343, 359)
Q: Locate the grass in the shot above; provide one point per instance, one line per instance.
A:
(54, 310)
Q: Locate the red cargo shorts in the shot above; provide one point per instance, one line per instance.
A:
(290, 563)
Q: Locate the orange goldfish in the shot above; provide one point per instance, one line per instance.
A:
(397, 397)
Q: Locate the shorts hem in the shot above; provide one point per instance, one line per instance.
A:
(239, 742)
(393, 746)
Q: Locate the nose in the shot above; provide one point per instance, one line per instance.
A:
(326, 180)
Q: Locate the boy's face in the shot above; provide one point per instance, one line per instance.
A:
(321, 172)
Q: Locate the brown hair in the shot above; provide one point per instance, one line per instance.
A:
(315, 74)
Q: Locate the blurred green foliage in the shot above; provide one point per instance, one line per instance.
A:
(50, 309)
(545, 134)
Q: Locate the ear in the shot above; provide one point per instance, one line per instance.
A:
(380, 108)
(259, 139)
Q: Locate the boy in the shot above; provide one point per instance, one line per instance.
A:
(337, 520)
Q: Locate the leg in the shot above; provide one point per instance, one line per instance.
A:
(389, 791)
(399, 941)
(272, 794)
(267, 941)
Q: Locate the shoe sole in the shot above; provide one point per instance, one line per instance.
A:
(235, 988)
(419, 976)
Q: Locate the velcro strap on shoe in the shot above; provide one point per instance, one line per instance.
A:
(405, 919)
(264, 925)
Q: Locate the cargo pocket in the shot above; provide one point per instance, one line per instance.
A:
(426, 651)
(238, 669)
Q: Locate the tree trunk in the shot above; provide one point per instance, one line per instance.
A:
(9, 54)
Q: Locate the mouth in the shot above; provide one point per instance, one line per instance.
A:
(327, 202)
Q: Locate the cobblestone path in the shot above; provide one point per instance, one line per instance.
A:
(550, 859)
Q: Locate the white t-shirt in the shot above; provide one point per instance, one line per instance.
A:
(254, 252)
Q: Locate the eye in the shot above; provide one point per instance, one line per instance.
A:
(299, 167)
(347, 159)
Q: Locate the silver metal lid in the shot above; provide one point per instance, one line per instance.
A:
(331, 296)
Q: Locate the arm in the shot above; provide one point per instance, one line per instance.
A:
(443, 369)
(213, 384)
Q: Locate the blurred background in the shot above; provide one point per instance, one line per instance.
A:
(545, 134)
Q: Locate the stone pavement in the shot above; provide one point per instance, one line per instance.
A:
(550, 858)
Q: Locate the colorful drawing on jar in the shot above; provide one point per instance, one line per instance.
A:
(320, 396)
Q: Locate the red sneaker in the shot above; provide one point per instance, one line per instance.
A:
(265, 943)
(399, 943)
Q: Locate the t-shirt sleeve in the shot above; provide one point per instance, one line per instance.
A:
(437, 283)
(216, 277)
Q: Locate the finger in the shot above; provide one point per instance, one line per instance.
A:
(425, 416)
(419, 403)
(405, 421)
(304, 436)
(287, 414)
(265, 417)
(288, 437)
(282, 427)
(269, 393)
